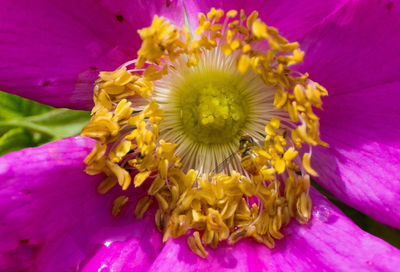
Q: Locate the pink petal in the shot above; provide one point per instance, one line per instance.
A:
(51, 216)
(293, 18)
(135, 254)
(330, 242)
(52, 50)
(362, 166)
(356, 47)
(357, 60)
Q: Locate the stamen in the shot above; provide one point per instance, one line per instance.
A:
(216, 126)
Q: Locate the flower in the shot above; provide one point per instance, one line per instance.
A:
(52, 218)
(230, 89)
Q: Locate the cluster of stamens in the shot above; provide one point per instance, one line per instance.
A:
(210, 207)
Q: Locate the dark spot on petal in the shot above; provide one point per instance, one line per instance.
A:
(46, 83)
(26, 191)
(389, 6)
(23, 241)
(94, 68)
(119, 18)
(169, 2)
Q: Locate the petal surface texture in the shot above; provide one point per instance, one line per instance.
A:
(357, 60)
(52, 50)
(51, 216)
(331, 242)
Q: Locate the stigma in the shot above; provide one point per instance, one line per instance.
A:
(216, 124)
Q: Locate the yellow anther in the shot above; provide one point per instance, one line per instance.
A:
(117, 205)
(323, 91)
(299, 94)
(196, 246)
(151, 73)
(156, 185)
(202, 18)
(141, 177)
(275, 122)
(298, 56)
(293, 112)
(268, 173)
(123, 176)
(289, 47)
(96, 154)
(250, 20)
(161, 202)
(111, 76)
(219, 14)
(161, 221)
(259, 29)
(161, 36)
(279, 165)
(231, 14)
(215, 27)
(301, 132)
(211, 14)
(307, 165)
(226, 49)
(281, 97)
(142, 206)
(246, 48)
(290, 154)
(163, 168)
(120, 151)
(235, 44)
(123, 110)
(101, 126)
(243, 64)
(124, 78)
(106, 184)
(303, 206)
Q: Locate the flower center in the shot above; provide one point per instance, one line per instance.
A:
(227, 98)
(212, 107)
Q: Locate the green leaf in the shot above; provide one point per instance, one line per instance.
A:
(15, 139)
(59, 123)
(12, 106)
(25, 123)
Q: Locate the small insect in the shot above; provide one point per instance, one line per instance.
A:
(250, 158)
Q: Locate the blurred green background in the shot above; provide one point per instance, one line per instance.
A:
(25, 123)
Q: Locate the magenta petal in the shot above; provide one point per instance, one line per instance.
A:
(135, 254)
(356, 47)
(329, 242)
(52, 50)
(357, 60)
(293, 18)
(51, 217)
(362, 166)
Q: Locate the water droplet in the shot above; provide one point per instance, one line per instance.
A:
(104, 268)
(107, 243)
(322, 213)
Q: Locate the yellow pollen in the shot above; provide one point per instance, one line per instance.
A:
(211, 108)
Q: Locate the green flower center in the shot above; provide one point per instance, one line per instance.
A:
(213, 107)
